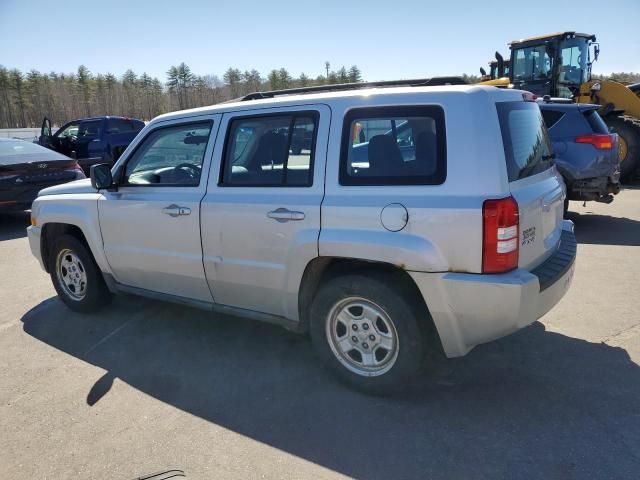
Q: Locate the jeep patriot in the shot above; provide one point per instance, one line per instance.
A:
(410, 218)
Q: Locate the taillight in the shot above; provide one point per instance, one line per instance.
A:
(601, 141)
(79, 172)
(500, 226)
(529, 97)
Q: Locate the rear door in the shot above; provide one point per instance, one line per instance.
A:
(89, 144)
(261, 213)
(533, 180)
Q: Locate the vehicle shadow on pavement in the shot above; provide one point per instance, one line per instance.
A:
(537, 404)
(605, 230)
(14, 225)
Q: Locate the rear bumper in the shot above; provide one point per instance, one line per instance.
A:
(470, 309)
(33, 232)
(593, 188)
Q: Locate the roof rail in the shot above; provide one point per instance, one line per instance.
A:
(418, 82)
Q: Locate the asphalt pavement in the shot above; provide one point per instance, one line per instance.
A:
(146, 386)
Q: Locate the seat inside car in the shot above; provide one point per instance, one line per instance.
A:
(426, 153)
(385, 158)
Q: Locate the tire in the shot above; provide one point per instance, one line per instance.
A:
(76, 277)
(628, 128)
(385, 325)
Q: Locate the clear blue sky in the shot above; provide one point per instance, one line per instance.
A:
(386, 39)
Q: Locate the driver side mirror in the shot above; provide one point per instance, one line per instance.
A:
(101, 177)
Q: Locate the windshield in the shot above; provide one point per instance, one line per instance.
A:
(531, 64)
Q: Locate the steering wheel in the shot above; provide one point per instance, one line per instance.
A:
(192, 170)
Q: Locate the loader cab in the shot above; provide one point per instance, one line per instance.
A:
(493, 69)
(554, 65)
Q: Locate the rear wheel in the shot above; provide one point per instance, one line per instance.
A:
(75, 275)
(367, 333)
(628, 129)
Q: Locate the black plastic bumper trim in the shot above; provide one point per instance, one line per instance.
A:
(559, 263)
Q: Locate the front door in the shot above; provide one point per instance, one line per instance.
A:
(45, 133)
(261, 214)
(151, 224)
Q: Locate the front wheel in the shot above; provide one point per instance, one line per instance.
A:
(367, 333)
(76, 277)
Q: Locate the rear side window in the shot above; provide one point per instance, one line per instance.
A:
(270, 150)
(90, 129)
(551, 117)
(121, 125)
(393, 146)
(527, 148)
(596, 122)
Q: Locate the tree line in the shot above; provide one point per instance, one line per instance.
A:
(26, 98)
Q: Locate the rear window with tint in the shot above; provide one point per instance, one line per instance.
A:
(527, 147)
(596, 122)
(551, 117)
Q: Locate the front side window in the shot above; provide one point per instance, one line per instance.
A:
(70, 130)
(170, 156)
(527, 147)
(574, 58)
(273, 150)
(393, 146)
(531, 64)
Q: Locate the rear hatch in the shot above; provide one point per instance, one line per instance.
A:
(599, 128)
(533, 181)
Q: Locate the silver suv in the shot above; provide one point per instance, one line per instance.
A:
(410, 218)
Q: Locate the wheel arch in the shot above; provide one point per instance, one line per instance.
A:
(52, 230)
(323, 269)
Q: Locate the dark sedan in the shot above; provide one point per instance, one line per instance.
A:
(26, 168)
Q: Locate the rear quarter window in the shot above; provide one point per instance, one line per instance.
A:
(527, 148)
(393, 146)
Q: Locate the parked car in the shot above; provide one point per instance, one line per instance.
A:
(586, 152)
(91, 140)
(26, 168)
(381, 258)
